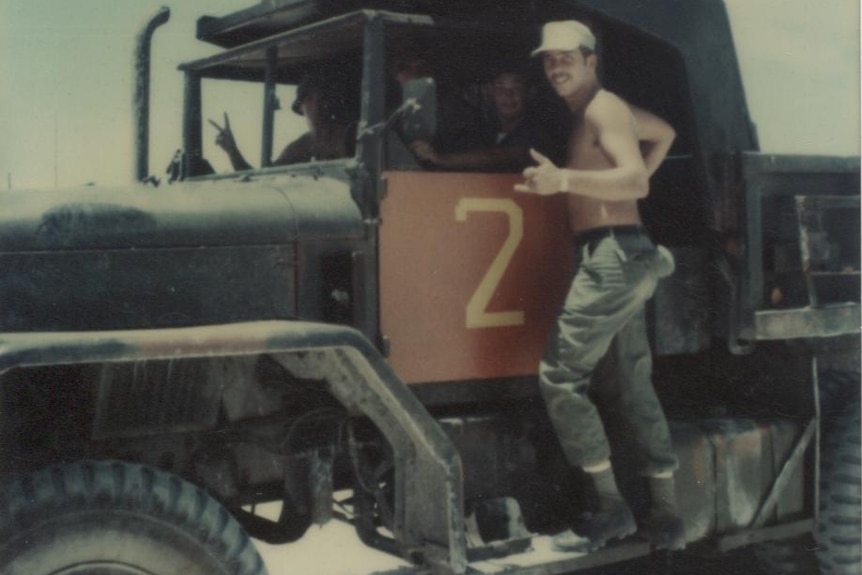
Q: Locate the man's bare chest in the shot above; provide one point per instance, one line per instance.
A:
(585, 151)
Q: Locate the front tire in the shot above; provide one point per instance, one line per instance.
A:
(117, 518)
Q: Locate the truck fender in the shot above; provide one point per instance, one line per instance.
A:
(428, 522)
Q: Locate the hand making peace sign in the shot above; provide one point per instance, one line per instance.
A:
(224, 139)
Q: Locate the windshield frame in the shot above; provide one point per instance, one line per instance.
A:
(269, 62)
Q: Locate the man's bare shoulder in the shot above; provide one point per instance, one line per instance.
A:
(606, 107)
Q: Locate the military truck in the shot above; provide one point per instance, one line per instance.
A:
(357, 339)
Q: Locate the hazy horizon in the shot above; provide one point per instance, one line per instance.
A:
(65, 101)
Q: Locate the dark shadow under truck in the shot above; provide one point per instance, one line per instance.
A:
(358, 338)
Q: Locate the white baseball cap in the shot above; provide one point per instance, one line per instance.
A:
(565, 35)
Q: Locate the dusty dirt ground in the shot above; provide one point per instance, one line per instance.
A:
(334, 549)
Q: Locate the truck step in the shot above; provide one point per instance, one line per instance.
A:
(540, 559)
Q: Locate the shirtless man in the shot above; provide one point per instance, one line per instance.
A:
(613, 150)
(328, 136)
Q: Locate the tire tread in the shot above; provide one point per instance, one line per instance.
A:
(105, 485)
(839, 529)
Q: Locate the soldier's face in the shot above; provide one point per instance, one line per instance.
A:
(568, 71)
(311, 108)
(510, 95)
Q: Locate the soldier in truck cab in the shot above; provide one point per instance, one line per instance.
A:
(329, 134)
(508, 138)
(458, 127)
(613, 150)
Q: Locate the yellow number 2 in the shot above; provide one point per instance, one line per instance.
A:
(477, 314)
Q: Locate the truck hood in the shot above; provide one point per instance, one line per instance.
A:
(209, 213)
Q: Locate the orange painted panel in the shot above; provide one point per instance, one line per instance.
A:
(471, 275)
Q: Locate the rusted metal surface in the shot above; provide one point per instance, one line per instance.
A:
(747, 485)
(808, 322)
(541, 560)
(793, 251)
(829, 243)
(784, 477)
(320, 478)
(776, 532)
(696, 478)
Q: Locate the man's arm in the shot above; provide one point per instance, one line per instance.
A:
(225, 141)
(237, 160)
(656, 137)
(628, 179)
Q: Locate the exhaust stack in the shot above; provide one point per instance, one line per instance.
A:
(141, 95)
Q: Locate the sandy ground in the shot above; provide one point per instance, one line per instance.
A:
(333, 549)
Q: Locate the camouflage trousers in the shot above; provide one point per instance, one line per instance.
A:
(603, 320)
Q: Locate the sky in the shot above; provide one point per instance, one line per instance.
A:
(66, 83)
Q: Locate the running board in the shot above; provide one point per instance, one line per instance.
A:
(540, 559)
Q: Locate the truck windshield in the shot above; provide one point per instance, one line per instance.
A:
(291, 99)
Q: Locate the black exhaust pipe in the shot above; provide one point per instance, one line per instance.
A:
(141, 95)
